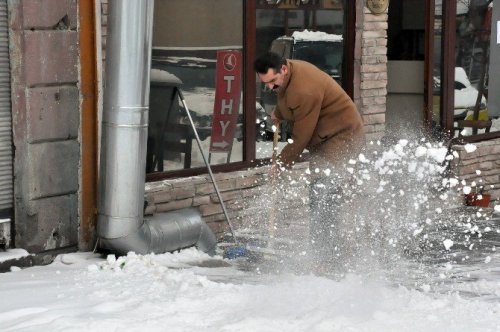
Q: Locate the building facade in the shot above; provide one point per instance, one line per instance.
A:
(412, 71)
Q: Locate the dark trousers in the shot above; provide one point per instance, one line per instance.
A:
(325, 200)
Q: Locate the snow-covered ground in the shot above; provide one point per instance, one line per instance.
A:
(174, 292)
(413, 264)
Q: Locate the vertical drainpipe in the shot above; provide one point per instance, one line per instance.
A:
(125, 117)
(121, 227)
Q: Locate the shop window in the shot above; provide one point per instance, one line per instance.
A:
(477, 69)
(281, 28)
(187, 36)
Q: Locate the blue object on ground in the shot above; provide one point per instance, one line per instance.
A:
(235, 252)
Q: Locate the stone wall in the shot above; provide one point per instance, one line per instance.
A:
(370, 69)
(481, 166)
(248, 196)
(46, 120)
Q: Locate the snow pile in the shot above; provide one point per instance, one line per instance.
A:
(13, 254)
(307, 35)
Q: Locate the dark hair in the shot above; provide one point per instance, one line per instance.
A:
(268, 60)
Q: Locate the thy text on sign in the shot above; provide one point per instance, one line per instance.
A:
(227, 100)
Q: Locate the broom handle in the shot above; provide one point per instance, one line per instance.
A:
(198, 141)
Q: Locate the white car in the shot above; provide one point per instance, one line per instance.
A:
(465, 94)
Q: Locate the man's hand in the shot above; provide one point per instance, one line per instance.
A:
(274, 119)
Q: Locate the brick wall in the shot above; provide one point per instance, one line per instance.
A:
(46, 119)
(248, 196)
(370, 69)
(481, 166)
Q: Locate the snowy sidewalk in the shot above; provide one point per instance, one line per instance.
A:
(178, 292)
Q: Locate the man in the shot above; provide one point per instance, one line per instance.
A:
(325, 121)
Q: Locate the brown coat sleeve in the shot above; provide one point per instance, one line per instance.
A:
(305, 107)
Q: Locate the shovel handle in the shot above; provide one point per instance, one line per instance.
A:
(276, 136)
(272, 212)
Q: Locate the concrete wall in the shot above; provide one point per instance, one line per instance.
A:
(46, 121)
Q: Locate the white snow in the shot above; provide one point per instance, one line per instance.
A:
(466, 97)
(178, 292)
(448, 244)
(158, 75)
(82, 292)
(469, 148)
(12, 254)
(495, 125)
(315, 36)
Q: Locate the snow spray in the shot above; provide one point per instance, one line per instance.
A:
(400, 210)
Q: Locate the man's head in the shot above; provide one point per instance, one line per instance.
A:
(272, 69)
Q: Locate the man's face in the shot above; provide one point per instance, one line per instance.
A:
(274, 80)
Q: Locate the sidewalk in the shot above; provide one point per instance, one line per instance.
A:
(21, 258)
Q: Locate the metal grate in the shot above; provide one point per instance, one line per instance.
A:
(6, 180)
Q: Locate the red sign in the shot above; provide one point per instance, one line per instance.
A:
(227, 100)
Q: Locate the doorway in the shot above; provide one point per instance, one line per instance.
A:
(405, 68)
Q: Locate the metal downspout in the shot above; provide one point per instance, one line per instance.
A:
(121, 226)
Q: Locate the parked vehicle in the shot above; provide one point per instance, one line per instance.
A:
(465, 95)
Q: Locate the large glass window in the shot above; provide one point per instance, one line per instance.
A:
(477, 68)
(305, 30)
(187, 36)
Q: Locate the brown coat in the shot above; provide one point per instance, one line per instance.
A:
(323, 117)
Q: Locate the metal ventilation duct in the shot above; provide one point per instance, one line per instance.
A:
(121, 226)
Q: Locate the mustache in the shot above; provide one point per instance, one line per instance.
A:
(274, 88)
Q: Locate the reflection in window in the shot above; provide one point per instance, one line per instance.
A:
(187, 34)
(282, 30)
(475, 110)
